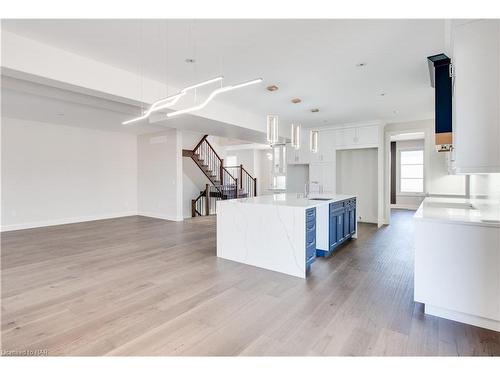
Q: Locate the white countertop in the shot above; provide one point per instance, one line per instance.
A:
(290, 200)
(460, 210)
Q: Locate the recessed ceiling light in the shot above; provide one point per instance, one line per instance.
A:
(314, 110)
(272, 88)
(361, 64)
(190, 61)
(296, 100)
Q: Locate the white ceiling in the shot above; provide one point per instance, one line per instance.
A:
(314, 60)
(36, 102)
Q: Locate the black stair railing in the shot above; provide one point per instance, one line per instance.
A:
(228, 182)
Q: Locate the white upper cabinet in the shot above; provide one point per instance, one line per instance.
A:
(476, 126)
(357, 137)
(345, 137)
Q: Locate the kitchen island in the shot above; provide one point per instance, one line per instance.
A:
(284, 232)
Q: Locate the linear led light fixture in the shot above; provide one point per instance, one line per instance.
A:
(313, 141)
(272, 129)
(213, 95)
(295, 136)
(170, 100)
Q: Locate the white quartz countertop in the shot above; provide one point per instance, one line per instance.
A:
(290, 200)
(460, 210)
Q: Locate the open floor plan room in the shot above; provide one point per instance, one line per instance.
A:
(250, 187)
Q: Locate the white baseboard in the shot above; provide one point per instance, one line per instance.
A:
(456, 316)
(81, 219)
(370, 220)
(405, 206)
(69, 220)
(156, 215)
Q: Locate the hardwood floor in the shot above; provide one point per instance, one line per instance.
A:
(142, 286)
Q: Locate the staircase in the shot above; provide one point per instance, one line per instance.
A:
(228, 182)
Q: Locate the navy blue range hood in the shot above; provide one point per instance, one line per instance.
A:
(441, 80)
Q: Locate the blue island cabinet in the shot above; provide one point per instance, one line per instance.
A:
(342, 225)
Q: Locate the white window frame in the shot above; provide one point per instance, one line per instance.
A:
(398, 181)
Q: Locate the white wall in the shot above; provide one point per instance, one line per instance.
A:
(55, 174)
(357, 173)
(159, 161)
(485, 186)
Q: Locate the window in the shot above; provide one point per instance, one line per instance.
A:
(411, 178)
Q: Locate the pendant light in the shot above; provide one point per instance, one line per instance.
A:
(295, 136)
(171, 100)
(212, 95)
(313, 141)
(272, 129)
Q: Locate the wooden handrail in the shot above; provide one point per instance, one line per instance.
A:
(243, 168)
(200, 142)
(249, 175)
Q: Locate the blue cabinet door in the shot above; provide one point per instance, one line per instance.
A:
(340, 227)
(346, 222)
(352, 220)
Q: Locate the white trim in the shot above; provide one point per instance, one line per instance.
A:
(82, 219)
(405, 206)
(456, 316)
(160, 216)
(387, 165)
(349, 125)
(69, 220)
(370, 220)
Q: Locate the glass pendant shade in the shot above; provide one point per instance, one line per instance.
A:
(295, 136)
(313, 141)
(272, 129)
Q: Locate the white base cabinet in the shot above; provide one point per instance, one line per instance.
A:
(457, 272)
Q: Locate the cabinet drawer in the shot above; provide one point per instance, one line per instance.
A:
(310, 224)
(311, 214)
(311, 234)
(336, 205)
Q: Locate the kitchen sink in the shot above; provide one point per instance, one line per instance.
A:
(320, 199)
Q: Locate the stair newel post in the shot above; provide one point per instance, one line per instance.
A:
(220, 172)
(255, 187)
(241, 176)
(207, 200)
(236, 189)
(193, 207)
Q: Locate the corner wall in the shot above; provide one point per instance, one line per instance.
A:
(159, 175)
(56, 174)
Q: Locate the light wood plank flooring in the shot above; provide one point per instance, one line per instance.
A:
(142, 286)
